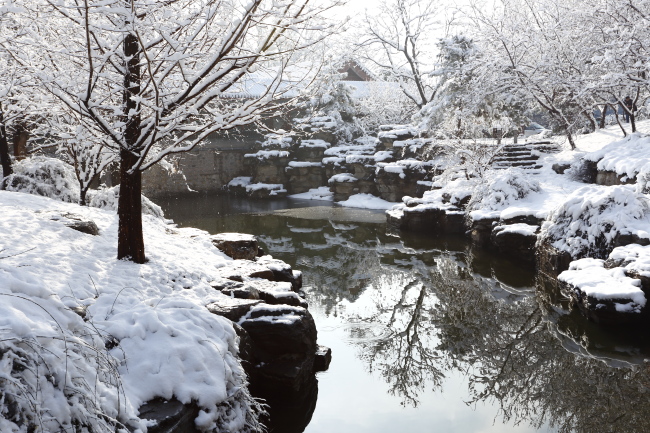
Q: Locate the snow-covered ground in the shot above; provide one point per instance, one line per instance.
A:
(60, 369)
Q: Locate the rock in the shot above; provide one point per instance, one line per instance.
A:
(323, 358)
(282, 271)
(241, 291)
(560, 168)
(279, 330)
(276, 293)
(481, 231)
(284, 341)
(516, 241)
(170, 416)
(550, 261)
(88, 227)
(80, 310)
(236, 245)
(232, 308)
(240, 270)
(393, 186)
(303, 178)
(603, 311)
(76, 222)
(609, 178)
(432, 221)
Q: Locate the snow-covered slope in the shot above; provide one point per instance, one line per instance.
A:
(146, 332)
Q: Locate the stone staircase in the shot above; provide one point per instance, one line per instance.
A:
(524, 156)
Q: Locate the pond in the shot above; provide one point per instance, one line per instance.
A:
(429, 334)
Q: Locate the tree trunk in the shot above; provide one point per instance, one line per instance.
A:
(130, 241)
(5, 159)
(570, 137)
(20, 142)
(603, 117)
(632, 122)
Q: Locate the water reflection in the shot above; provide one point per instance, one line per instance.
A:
(419, 310)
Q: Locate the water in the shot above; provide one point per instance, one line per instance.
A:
(431, 335)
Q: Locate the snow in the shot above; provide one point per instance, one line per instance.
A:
(267, 154)
(634, 258)
(627, 157)
(342, 177)
(366, 201)
(299, 164)
(592, 278)
(48, 177)
(259, 186)
(169, 344)
(322, 193)
(519, 228)
(315, 144)
(500, 189)
(589, 220)
(240, 181)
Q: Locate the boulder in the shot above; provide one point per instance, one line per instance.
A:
(276, 293)
(236, 245)
(169, 416)
(516, 241)
(240, 270)
(232, 308)
(284, 342)
(76, 222)
(282, 271)
(323, 358)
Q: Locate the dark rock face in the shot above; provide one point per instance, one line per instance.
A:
(276, 293)
(481, 232)
(277, 334)
(323, 358)
(431, 221)
(236, 245)
(170, 416)
(302, 179)
(393, 186)
(551, 261)
(517, 246)
(602, 311)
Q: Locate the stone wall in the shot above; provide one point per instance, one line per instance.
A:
(204, 170)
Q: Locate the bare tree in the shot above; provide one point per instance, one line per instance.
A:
(150, 77)
(399, 42)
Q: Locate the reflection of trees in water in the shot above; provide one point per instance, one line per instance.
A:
(417, 314)
(444, 317)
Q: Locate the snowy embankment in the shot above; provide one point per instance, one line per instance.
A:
(554, 205)
(67, 302)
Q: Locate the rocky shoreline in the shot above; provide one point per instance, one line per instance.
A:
(277, 336)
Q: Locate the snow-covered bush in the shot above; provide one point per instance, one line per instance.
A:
(56, 374)
(48, 177)
(592, 218)
(107, 198)
(500, 188)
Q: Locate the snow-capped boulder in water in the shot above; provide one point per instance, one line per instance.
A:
(591, 223)
(610, 291)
